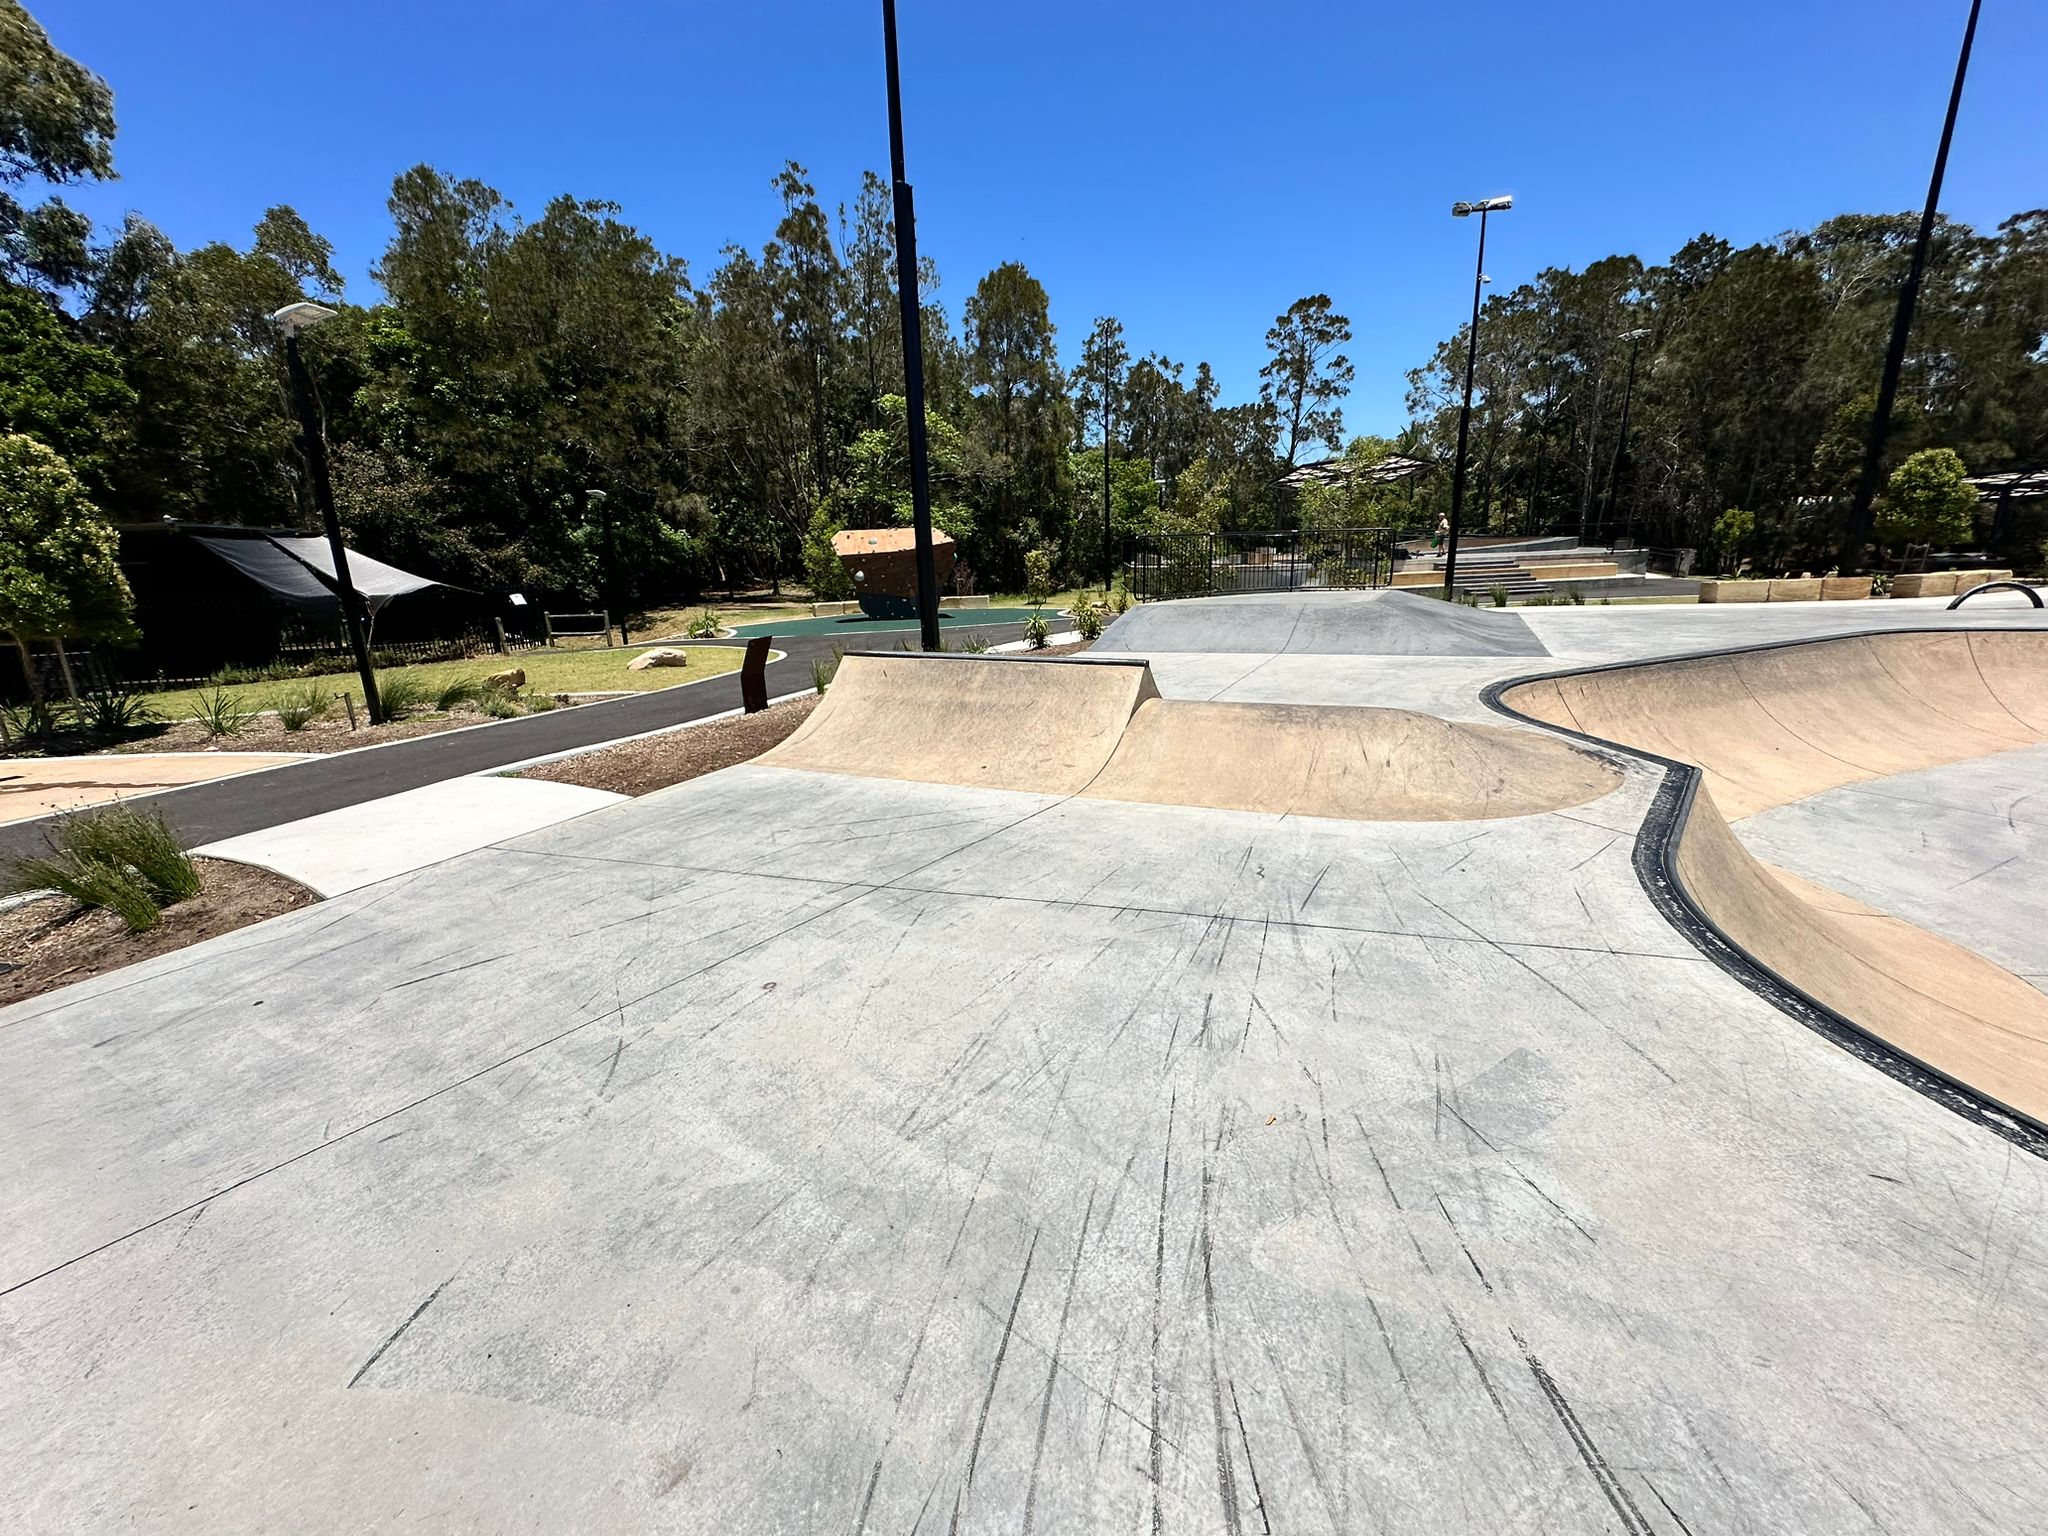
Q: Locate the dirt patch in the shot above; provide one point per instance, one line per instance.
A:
(655, 762)
(50, 943)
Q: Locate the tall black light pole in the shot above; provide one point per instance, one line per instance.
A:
(1108, 555)
(294, 318)
(913, 351)
(1628, 392)
(1459, 211)
(1902, 320)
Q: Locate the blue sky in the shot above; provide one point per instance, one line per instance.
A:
(1191, 168)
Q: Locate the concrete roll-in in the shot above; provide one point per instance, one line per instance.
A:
(1774, 725)
(1357, 763)
(1383, 623)
(986, 722)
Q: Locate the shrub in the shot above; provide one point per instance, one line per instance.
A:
(1087, 620)
(538, 703)
(402, 692)
(1733, 530)
(497, 704)
(463, 690)
(1037, 577)
(1120, 598)
(223, 714)
(1928, 500)
(306, 703)
(1037, 632)
(115, 860)
(974, 642)
(705, 626)
(823, 671)
(110, 709)
(1499, 594)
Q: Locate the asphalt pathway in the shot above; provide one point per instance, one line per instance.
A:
(206, 813)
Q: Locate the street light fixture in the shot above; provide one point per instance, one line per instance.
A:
(1635, 341)
(1458, 211)
(292, 319)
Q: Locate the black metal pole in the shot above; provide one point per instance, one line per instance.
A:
(354, 615)
(1902, 319)
(1464, 421)
(1628, 393)
(913, 351)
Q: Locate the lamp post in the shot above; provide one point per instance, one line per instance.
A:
(1902, 319)
(913, 350)
(1635, 341)
(292, 319)
(1459, 211)
(609, 554)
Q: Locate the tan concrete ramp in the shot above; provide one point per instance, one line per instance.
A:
(1365, 764)
(1937, 1002)
(988, 722)
(1772, 726)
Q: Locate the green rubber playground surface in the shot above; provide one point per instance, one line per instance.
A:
(854, 625)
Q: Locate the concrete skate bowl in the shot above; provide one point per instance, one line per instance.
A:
(1745, 731)
(1320, 624)
(1099, 730)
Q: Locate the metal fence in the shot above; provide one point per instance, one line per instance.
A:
(1303, 560)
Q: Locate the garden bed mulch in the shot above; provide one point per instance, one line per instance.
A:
(656, 762)
(265, 734)
(51, 942)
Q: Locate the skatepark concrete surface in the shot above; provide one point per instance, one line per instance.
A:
(838, 1148)
(37, 786)
(359, 845)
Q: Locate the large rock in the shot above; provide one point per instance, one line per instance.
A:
(663, 656)
(509, 681)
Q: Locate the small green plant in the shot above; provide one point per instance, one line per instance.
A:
(974, 642)
(1499, 594)
(1037, 632)
(1037, 577)
(303, 705)
(463, 690)
(1087, 620)
(823, 670)
(223, 714)
(1881, 583)
(1120, 598)
(268, 672)
(705, 626)
(539, 703)
(401, 692)
(497, 704)
(1574, 596)
(116, 860)
(110, 709)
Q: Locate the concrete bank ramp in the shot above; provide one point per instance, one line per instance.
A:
(1937, 1002)
(1358, 763)
(1386, 623)
(1100, 729)
(1775, 725)
(988, 722)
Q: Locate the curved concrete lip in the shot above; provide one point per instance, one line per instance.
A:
(1926, 1011)
(1377, 623)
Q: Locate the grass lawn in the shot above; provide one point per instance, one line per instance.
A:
(588, 671)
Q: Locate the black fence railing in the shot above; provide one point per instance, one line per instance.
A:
(1214, 564)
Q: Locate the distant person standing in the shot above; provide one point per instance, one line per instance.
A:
(1443, 531)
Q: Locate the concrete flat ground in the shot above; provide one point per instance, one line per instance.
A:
(795, 1150)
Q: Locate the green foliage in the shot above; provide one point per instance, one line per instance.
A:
(1928, 500)
(1307, 376)
(1037, 632)
(1037, 577)
(497, 704)
(402, 691)
(58, 579)
(223, 714)
(116, 859)
(1088, 621)
(823, 570)
(56, 125)
(66, 394)
(1499, 594)
(975, 643)
(111, 709)
(705, 626)
(459, 691)
(303, 705)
